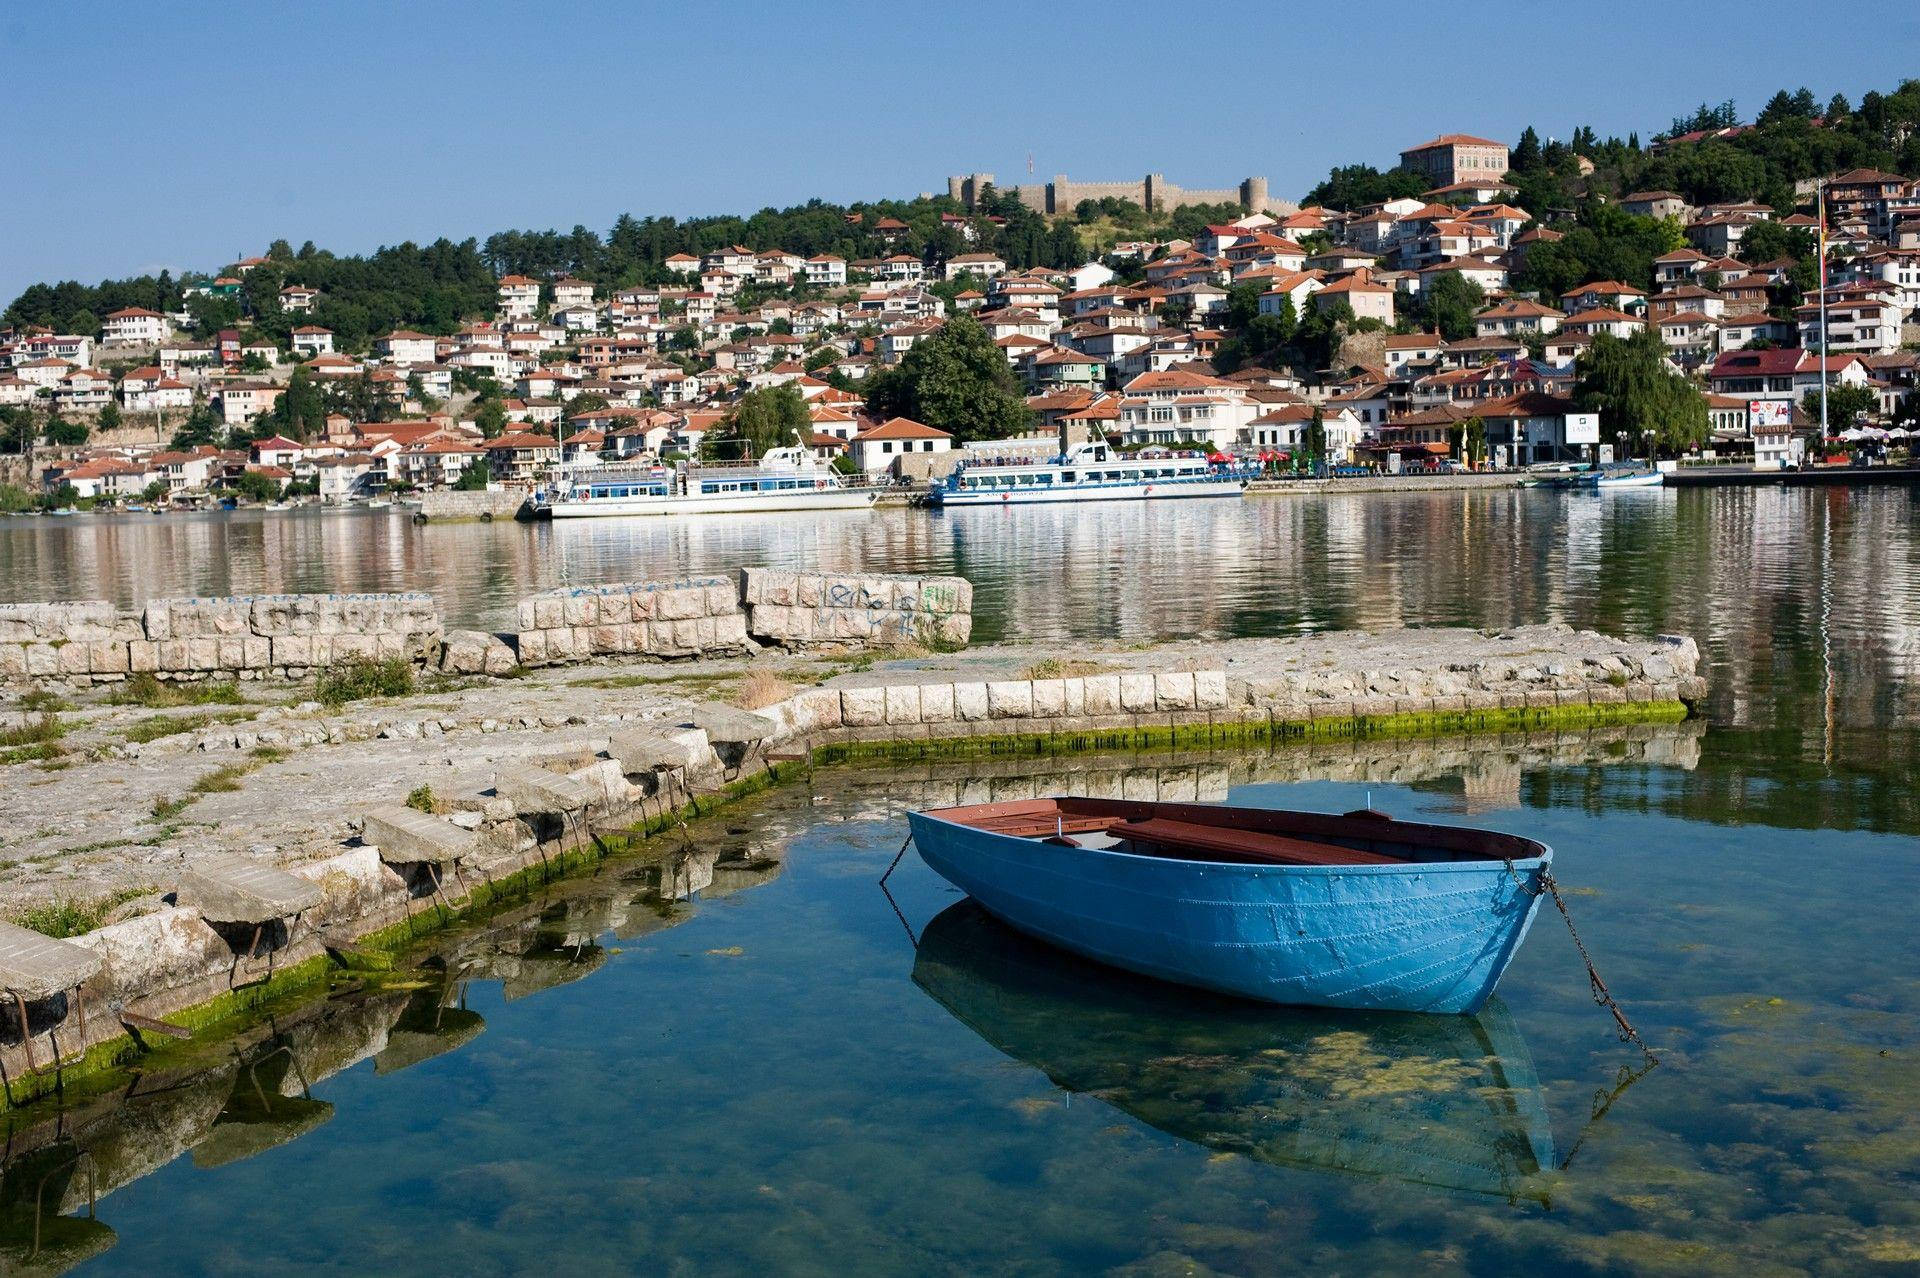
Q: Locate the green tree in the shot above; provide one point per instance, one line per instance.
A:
(63, 433)
(474, 478)
(300, 412)
(1629, 383)
(255, 486)
(1447, 303)
(770, 417)
(491, 418)
(200, 429)
(955, 380)
(109, 418)
(1844, 404)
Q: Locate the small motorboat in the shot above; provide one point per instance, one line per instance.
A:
(1357, 911)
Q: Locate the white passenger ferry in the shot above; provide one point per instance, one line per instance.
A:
(1088, 472)
(785, 479)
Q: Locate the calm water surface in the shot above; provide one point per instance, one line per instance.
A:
(738, 1062)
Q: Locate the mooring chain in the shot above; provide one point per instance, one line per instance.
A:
(1597, 987)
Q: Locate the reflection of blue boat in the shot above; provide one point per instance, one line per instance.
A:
(1356, 911)
(1449, 1101)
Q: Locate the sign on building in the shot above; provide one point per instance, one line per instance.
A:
(1769, 414)
(1583, 428)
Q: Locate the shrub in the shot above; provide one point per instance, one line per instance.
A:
(421, 799)
(759, 689)
(363, 679)
(145, 690)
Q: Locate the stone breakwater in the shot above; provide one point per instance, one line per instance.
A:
(502, 804)
(292, 636)
(244, 637)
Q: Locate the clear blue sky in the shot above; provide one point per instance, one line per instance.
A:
(145, 135)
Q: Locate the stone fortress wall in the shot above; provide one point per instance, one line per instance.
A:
(1151, 192)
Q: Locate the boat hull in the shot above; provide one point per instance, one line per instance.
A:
(1101, 492)
(715, 504)
(1405, 937)
(1651, 480)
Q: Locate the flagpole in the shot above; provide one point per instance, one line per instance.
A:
(1820, 206)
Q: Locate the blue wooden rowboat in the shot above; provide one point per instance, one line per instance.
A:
(1357, 911)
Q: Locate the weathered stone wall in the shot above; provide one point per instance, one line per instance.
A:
(449, 505)
(243, 637)
(694, 618)
(795, 609)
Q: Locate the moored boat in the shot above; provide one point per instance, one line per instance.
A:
(1092, 471)
(784, 479)
(1357, 911)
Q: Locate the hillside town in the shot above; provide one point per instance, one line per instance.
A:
(1401, 334)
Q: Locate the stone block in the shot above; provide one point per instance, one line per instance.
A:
(175, 654)
(532, 647)
(579, 610)
(1173, 690)
(156, 621)
(1138, 693)
(13, 660)
(71, 658)
(863, 707)
(722, 597)
(769, 586)
(527, 614)
(549, 612)
(537, 790)
(1210, 690)
(43, 659)
(970, 703)
(1009, 699)
(816, 710)
(903, 703)
(405, 836)
(107, 656)
(678, 603)
(1049, 698)
(730, 630)
(232, 889)
(257, 652)
(936, 703)
(1074, 694)
(660, 749)
(1102, 694)
(230, 652)
(612, 609)
(730, 725)
(290, 649)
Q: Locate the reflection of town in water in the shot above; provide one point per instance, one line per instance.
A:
(1806, 602)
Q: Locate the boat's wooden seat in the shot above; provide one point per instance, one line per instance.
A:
(1216, 842)
(1027, 825)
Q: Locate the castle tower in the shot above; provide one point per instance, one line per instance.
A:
(1253, 194)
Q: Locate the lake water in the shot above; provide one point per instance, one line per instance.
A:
(730, 1056)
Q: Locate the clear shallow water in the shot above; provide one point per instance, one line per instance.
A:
(808, 1105)
(763, 1075)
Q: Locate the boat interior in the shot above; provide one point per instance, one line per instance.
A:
(1236, 836)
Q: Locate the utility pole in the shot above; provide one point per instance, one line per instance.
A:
(1820, 207)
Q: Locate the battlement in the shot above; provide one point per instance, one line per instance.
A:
(1150, 192)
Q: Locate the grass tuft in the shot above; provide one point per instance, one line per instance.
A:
(145, 690)
(759, 689)
(422, 799)
(363, 679)
(73, 916)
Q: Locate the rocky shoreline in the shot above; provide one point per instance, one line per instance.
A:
(379, 819)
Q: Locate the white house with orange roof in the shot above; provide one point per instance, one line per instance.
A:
(298, 299)
(881, 448)
(311, 339)
(135, 324)
(572, 292)
(519, 296)
(406, 347)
